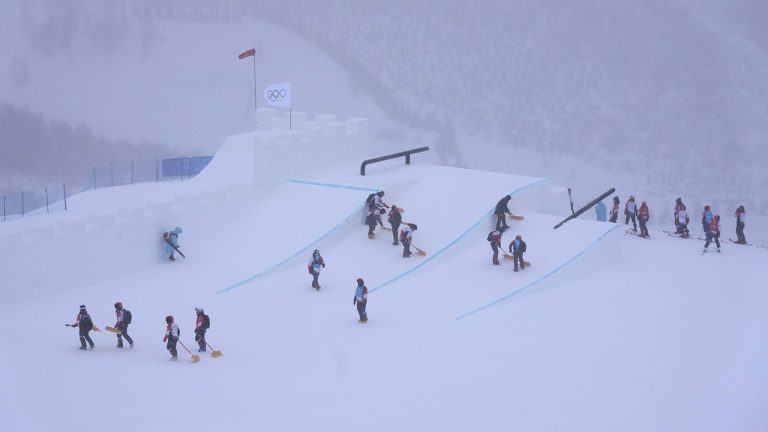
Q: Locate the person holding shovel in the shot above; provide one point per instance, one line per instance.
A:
(123, 319)
(172, 334)
(84, 323)
(201, 326)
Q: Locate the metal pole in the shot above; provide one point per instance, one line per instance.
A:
(22, 203)
(255, 90)
(131, 172)
(3, 208)
(570, 198)
(181, 169)
(94, 176)
(47, 210)
(157, 171)
(111, 174)
(586, 207)
(290, 118)
(65, 195)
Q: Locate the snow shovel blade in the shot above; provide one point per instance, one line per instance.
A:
(516, 217)
(96, 329)
(113, 330)
(216, 354)
(195, 358)
(509, 256)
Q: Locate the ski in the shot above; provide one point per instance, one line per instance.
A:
(632, 233)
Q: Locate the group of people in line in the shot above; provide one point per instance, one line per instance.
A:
(84, 324)
(402, 232)
(710, 222)
(517, 246)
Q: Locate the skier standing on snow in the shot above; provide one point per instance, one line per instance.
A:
(713, 233)
(643, 214)
(172, 334)
(501, 210)
(316, 263)
(406, 236)
(679, 206)
(85, 324)
(171, 240)
(395, 219)
(361, 299)
(202, 323)
(601, 211)
(682, 220)
(516, 248)
(741, 215)
(122, 324)
(494, 237)
(630, 211)
(615, 210)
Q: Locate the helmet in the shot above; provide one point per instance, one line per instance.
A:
(169, 319)
(118, 306)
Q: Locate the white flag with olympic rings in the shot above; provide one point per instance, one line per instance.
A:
(278, 95)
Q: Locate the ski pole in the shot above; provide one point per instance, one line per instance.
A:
(195, 357)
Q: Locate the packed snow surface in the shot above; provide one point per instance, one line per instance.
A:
(605, 331)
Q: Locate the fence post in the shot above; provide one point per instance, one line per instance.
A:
(65, 195)
(22, 203)
(47, 210)
(111, 174)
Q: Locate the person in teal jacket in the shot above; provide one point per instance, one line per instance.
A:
(602, 212)
(171, 238)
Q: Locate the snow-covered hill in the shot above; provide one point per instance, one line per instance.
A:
(604, 331)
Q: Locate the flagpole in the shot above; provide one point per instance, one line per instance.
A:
(290, 118)
(255, 90)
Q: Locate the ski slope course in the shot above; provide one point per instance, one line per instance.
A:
(604, 332)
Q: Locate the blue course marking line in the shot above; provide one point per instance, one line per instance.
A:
(456, 240)
(518, 291)
(305, 248)
(335, 185)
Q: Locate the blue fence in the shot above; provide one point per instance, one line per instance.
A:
(53, 198)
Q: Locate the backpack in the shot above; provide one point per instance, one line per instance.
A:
(127, 317)
(86, 322)
(369, 200)
(166, 235)
(206, 322)
(490, 236)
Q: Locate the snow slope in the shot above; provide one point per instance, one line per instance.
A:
(604, 332)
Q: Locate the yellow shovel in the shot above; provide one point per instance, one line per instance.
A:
(215, 353)
(195, 357)
(113, 330)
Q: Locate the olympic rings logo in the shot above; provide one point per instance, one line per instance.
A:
(276, 95)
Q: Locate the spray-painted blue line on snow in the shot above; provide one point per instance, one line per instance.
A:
(336, 185)
(456, 240)
(560, 267)
(302, 250)
(310, 245)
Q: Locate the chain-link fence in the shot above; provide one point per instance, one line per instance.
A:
(53, 198)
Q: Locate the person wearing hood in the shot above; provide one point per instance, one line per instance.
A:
(171, 338)
(601, 212)
(202, 323)
(615, 210)
(395, 219)
(643, 215)
(121, 324)
(741, 215)
(630, 212)
(316, 263)
(517, 247)
(84, 324)
(361, 299)
(501, 210)
(171, 242)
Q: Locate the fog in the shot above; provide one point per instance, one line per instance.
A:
(657, 98)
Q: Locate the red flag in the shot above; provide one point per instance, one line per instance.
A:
(244, 54)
